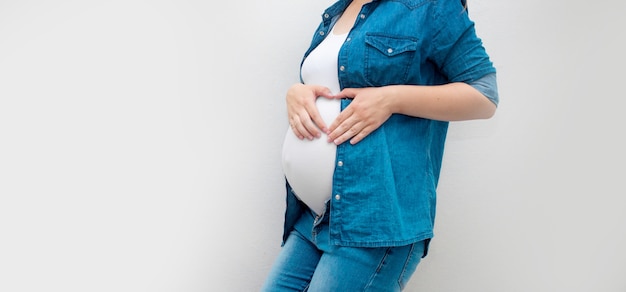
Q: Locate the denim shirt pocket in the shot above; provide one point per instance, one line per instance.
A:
(388, 58)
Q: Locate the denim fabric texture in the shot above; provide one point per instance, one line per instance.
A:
(308, 262)
(384, 187)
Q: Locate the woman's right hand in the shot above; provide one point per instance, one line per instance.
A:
(304, 118)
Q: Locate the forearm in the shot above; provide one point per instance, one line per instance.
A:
(450, 102)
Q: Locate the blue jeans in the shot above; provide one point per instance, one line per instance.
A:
(307, 262)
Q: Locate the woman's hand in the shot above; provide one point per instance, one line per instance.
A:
(304, 118)
(369, 109)
(372, 106)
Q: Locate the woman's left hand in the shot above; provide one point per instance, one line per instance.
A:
(369, 109)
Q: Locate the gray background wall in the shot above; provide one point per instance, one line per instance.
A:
(140, 145)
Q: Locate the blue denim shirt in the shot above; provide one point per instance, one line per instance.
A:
(384, 187)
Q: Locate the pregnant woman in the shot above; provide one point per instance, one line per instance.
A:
(380, 82)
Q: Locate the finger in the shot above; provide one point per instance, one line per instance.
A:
(323, 91)
(295, 131)
(296, 128)
(347, 93)
(309, 130)
(343, 131)
(314, 122)
(340, 119)
(310, 118)
(348, 133)
(317, 124)
(360, 136)
(314, 112)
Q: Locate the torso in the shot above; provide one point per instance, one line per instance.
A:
(309, 164)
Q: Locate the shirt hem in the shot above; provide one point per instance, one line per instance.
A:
(386, 243)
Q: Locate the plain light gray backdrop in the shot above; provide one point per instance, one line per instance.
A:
(140, 148)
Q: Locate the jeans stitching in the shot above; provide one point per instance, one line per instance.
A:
(378, 268)
(401, 282)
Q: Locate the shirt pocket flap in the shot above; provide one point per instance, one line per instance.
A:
(391, 45)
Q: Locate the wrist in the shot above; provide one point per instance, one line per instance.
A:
(391, 99)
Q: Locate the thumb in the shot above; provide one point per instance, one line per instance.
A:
(323, 91)
(347, 93)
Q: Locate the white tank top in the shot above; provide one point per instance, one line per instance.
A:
(309, 165)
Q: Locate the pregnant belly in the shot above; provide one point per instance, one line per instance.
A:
(309, 164)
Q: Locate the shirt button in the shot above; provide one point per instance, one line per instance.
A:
(337, 197)
(326, 15)
(321, 33)
(362, 16)
(340, 163)
(348, 39)
(342, 68)
(390, 50)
